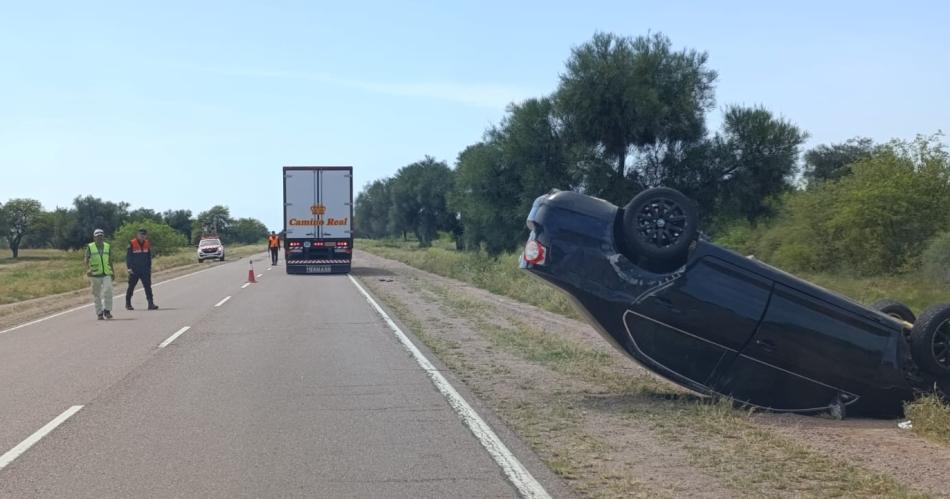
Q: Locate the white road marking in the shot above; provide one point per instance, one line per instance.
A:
(268, 268)
(226, 298)
(260, 275)
(519, 476)
(64, 312)
(36, 437)
(246, 284)
(172, 337)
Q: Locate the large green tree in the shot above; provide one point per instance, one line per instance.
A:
(216, 220)
(487, 196)
(832, 162)
(88, 214)
(247, 231)
(620, 93)
(372, 210)
(145, 214)
(418, 195)
(180, 220)
(755, 157)
(18, 217)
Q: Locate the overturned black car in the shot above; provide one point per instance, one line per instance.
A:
(719, 323)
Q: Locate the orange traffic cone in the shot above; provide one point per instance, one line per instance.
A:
(250, 273)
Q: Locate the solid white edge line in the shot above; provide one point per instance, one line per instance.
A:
(519, 476)
(172, 337)
(246, 284)
(226, 298)
(30, 441)
(64, 312)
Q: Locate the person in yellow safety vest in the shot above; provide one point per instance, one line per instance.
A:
(98, 261)
(273, 244)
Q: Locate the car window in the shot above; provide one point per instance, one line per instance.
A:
(209, 242)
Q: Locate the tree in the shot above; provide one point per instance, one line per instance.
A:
(18, 218)
(754, 159)
(877, 220)
(832, 162)
(145, 214)
(618, 93)
(216, 220)
(247, 231)
(419, 198)
(372, 210)
(486, 196)
(535, 152)
(499, 179)
(88, 214)
(179, 220)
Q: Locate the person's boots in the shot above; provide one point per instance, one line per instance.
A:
(99, 316)
(107, 314)
(152, 306)
(128, 306)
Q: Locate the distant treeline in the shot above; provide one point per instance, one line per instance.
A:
(630, 114)
(25, 224)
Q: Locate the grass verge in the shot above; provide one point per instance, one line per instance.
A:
(44, 272)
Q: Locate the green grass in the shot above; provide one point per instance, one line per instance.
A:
(498, 275)
(43, 272)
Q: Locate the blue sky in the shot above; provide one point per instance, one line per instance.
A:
(190, 104)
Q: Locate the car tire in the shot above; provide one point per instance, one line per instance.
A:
(201, 260)
(894, 309)
(930, 340)
(660, 224)
(221, 259)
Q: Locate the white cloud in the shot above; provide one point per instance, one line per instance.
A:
(487, 95)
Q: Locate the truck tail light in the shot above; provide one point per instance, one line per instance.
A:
(342, 244)
(534, 253)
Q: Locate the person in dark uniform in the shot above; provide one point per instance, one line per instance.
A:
(138, 259)
(273, 244)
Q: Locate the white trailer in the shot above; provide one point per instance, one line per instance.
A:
(318, 219)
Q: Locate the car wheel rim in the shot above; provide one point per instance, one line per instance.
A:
(941, 344)
(661, 222)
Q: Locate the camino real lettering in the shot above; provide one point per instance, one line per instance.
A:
(318, 221)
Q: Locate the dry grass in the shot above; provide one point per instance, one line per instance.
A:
(931, 418)
(44, 272)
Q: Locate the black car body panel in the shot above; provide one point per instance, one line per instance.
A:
(723, 323)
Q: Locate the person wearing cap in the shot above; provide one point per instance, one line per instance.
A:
(138, 259)
(98, 262)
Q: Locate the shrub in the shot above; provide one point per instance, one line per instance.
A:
(875, 221)
(935, 261)
(164, 239)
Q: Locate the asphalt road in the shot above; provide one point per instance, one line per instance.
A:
(294, 386)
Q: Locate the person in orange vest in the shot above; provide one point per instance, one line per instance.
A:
(273, 244)
(138, 259)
